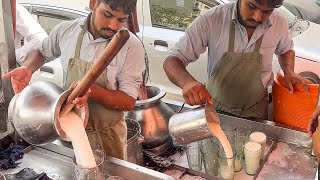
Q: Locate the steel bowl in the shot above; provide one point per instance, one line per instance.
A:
(34, 112)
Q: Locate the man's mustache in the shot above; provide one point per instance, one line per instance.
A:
(254, 21)
(109, 29)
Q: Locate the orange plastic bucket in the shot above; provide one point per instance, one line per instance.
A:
(293, 109)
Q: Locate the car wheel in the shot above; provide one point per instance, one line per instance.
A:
(314, 78)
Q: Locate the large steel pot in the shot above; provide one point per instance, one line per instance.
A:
(35, 112)
(153, 116)
(135, 153)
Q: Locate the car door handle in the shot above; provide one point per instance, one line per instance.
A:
(160, 43)
(47, 69)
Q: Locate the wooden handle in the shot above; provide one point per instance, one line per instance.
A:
(116, 43)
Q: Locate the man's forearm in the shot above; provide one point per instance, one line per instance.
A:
(286, 61)
(112, 99)
(177, 72)
(34, 60)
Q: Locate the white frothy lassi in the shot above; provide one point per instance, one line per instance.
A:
(252, 151)
(260, 138)
(72, 125)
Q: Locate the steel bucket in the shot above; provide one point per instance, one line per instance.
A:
(34, 112)
(134, 142)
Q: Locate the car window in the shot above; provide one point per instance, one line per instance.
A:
(178, 14)
(48, 17)
(48, 23)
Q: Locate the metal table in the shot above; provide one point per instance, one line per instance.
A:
(56, 161)
(290, 158)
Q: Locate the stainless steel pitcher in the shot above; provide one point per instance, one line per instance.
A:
(189, 126)
(35, 112)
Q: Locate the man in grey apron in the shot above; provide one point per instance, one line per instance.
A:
(79, 43)
(241, 38)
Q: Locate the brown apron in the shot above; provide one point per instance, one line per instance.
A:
(106, 128)
(236, 86)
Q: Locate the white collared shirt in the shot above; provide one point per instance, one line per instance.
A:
(123, 73)
(211, 31)
(30, 30)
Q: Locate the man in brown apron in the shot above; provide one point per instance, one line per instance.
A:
(241, 38)
(79, 43)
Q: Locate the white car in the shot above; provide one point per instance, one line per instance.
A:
(306, 9)
(49, 14)
(162, 23)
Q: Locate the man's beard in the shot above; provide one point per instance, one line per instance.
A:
(245, 22)
(104, 36)
(100, 32)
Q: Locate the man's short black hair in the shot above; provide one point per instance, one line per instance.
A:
(126, 5)
(271, 3)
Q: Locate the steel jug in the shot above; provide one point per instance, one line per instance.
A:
(153, 116)
(34, 112)
(189, 126)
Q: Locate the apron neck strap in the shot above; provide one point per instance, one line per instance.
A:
(258, 44)
(78, 45)
(231, 37)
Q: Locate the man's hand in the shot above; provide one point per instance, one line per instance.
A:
(194, 93)
(313, 123)
(20, 78)
(79, 102)
(292, 78)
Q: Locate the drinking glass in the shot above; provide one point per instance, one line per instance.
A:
(209, 150)
(252, 153)
(226, 164)
(194, 156)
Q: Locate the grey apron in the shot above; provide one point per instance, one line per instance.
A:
(236, 86)
(106, 128)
